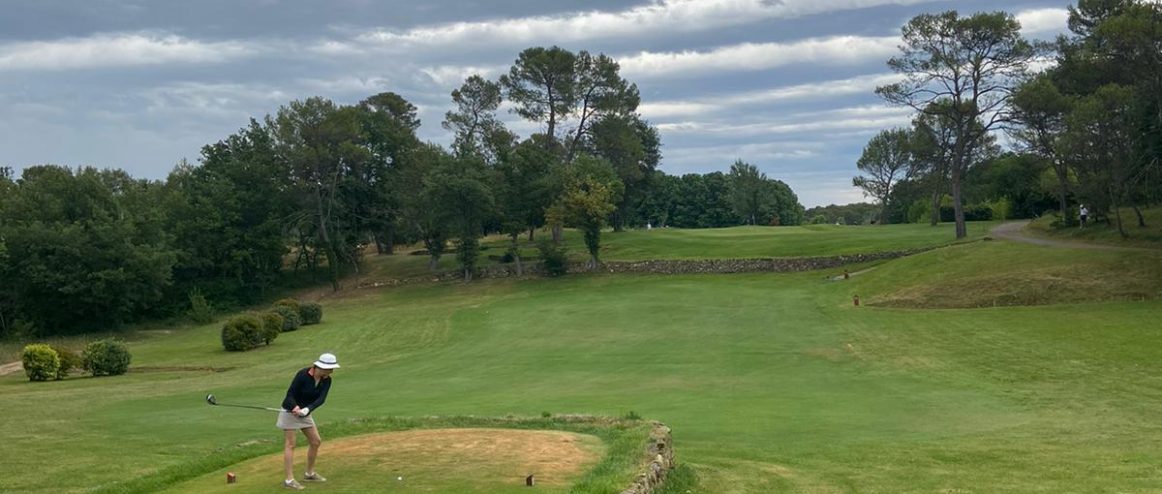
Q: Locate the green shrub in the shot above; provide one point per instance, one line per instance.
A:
(242, 333)
(70, 361)
(554, 257)
(271, 326)
(288, 302)
(311, 313)
(41, 362)
(200, 310)
(106, 357)
(291, 318)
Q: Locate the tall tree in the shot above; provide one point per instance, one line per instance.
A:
(459, 191)
(474, 119)
(972, 64)
(887, 159)
(590, 186)
(542, 85)
(1039, 111)
(600, 92)
(631, 145)
(320, 143)
(388, 124)
(748, 192)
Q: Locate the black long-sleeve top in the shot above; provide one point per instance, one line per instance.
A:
(304, 393)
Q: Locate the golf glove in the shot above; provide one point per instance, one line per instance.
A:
(304, 411)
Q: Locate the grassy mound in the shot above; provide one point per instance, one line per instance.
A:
(993, 274)
(1149, 236)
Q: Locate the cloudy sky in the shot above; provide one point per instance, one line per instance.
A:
(786, 85)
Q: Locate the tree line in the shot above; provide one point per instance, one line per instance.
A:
(1087, 129)
(312, 187)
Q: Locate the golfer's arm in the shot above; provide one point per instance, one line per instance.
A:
(322, 396)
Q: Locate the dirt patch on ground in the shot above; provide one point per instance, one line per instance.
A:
(11, 368)
(554, 457)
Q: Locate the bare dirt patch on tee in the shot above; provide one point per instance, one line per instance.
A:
(469, 461)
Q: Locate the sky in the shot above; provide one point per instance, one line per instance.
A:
(785, 85)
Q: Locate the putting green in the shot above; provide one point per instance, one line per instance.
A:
(428, 460)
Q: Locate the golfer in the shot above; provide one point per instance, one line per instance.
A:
(307, 392)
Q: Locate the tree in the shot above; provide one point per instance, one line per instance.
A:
(85, 250)
(748, 193)
(590, 186)
(631, 145)
(886, 159)
(542, 85)
(601, 94)
(474, 120)
(320, 143)
(970, 64)
(1039, 111)
(459, 192)
(388, 124)
(1101, 142)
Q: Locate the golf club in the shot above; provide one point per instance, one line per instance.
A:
(214, 401)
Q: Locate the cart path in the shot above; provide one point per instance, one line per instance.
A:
(1014, 231)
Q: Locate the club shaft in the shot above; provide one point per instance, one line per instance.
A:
(250, 406)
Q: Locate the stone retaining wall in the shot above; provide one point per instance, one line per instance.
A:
(659, 460)
(699, 266)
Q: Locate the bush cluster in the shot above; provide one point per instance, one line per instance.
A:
(242, 333)
(70, 361)
(247, 331)
(271, 326)
(554, 257)
(291, 320)
(40, 361)
(312, 313)
(201, 312)
(108, 357)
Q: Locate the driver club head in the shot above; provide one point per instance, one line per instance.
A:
(211, 400)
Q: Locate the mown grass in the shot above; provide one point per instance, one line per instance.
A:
(1149, 236)
(771, 383)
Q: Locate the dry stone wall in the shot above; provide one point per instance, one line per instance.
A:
(659, 456)
(697, 266)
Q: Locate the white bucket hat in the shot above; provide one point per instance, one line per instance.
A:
(327, 361)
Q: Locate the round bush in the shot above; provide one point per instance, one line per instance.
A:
(288, 302)
(311, 313)
(69, 361)
(41, 362)
(106, 357)
(291, 319)
(242, 333)
(271, 326)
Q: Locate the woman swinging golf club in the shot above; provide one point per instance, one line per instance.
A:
(307, 392)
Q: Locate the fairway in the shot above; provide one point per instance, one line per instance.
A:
(771, 382)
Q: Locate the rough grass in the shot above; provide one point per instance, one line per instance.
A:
(999, 274)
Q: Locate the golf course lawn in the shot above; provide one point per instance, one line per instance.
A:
(771, 382)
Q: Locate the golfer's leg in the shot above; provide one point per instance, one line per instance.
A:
(312, 450)
(288, 453)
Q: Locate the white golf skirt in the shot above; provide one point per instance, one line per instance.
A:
(290, 421)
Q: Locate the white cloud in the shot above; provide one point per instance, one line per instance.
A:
(234, 103)
(839, 120)
(839, 50)
(454, 76)
(1043, 20)
(117, 50)
(659, 16)
(822, 90)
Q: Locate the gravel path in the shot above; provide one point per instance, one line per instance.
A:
(1014, 231)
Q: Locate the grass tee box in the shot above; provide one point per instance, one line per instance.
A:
(456, 454)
